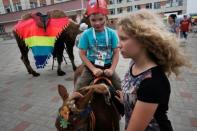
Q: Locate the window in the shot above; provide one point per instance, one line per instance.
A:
(17, 7)
(119, 1)
(111, 2)
(33, 4)
(2, 30)
(180, 2)
(43, 3)
(129, 8)
(8, 9)
(119, 10)
(172, 3)
(137, 7)
(112, 11)
(149, 6)
(157, 5)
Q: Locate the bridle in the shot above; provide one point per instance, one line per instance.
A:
(81, 114)
(76, 117)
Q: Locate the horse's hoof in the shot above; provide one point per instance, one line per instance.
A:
(60, 73)
(35, 74)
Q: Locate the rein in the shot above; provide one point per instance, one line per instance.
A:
(109, 83)
(102, 78)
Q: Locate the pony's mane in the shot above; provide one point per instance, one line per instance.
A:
(56, 14)
(72, 21)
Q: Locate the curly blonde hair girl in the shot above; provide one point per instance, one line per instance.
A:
(161, 45)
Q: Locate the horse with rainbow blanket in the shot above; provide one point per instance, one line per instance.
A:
(45, 35)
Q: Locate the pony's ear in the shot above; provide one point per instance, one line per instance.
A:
(62, 92)
(83, 102)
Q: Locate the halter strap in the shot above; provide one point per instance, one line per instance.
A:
(92, 121)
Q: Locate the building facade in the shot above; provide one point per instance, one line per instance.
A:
(119, 8)
(11, 10)
(7, 6)
(12, 13)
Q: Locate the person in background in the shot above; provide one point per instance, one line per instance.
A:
(174, 26)
(154, 55)
(83, 27)
(185, 27)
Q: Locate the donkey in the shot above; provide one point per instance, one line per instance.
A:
(98, 104)
(90, 112)
(67, 35)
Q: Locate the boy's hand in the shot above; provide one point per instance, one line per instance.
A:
(97, 72)
(108, 72)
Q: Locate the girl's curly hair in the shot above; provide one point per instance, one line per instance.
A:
(161, 45)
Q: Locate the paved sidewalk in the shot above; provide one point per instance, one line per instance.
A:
(31, 104)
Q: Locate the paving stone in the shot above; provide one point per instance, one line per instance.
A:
(193, 122)
(25, 107)
(22, 126)
(31, 103)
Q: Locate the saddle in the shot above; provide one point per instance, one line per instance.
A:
(41, 20)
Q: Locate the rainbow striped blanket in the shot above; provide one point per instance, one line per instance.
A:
(41, 42)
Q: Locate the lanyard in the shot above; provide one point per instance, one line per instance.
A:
(106, 36)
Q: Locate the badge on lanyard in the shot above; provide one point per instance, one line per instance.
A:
(101, 55)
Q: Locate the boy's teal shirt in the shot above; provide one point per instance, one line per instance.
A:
(88, 43)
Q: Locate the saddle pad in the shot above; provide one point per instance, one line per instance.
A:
(41, 42)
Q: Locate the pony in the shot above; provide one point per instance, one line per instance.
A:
(95, 110)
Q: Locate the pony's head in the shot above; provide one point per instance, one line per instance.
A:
(74, 113)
